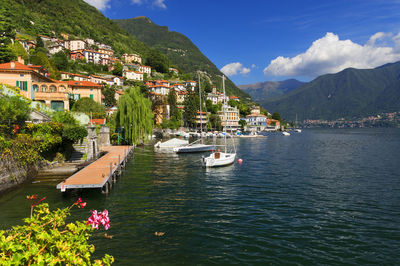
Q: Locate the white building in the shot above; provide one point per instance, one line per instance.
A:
(256, 122)
(230, 120)
(74, 45)
(190, 84)
(133, 75)
(160, 89)
(145, 69)
(53, 49)
(96, 57)
(128, 58)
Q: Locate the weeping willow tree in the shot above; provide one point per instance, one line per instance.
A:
(134, 115)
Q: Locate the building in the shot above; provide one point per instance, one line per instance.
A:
(77, 77)
(129, 58)
(201, 119)
(190, 84)
(216, 97)
(235, 98)
(76, 55)
(53, 49)
(35, 86)
(133, 75)
(145, 69)
(108, 52)
(171, 69)
(229, 117)
(98, 79)
(81, 89)
(160, 89)
(74, 45)
(179, 87)
(180, 97)
(256, 122)
(95, 57)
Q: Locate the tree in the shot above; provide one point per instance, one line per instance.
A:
(242, 123)
(172, 103)
(89, 107)
(60, 60)
(191, 105)
(14, 111)
(18, 50)
(276, 116)
(39, 42)
(134, 115)
(7, 33)
(158, 61)
(215, 122)
(109, 95)
(233, 103)
(118, 68)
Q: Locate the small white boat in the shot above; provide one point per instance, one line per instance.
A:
(218, 159)
(170, 144)
(285, 133)
(298, 130)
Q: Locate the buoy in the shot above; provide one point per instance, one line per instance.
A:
(240, 161)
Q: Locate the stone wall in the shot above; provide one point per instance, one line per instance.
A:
(12, 175)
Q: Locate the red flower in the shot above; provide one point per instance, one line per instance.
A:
(31, 197)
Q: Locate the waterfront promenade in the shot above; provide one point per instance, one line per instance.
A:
(102, 172)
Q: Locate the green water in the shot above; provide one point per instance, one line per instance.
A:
(318, 197)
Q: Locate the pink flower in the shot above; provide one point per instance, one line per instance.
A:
(99, 218)
(80, 203)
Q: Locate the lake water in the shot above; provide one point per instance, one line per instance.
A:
(316, 197)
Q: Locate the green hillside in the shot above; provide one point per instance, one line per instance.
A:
(351, 93)
(74, 17)
(179, 49)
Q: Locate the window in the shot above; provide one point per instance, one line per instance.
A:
(43, 88)
(91, 96)
(22, 85)
(53, 88)
(35, 87)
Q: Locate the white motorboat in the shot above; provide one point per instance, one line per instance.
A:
(285, 133)
(170, 144)
(298, 130)
(218, 158)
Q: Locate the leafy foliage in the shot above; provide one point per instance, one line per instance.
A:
(191, 105)
(74, 133)
(109, 95)
(90, 107)
(46, 239)
(14, 110)
(134, 115)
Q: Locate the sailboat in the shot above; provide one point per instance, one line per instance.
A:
(218, 158)
(196, 146)
(297, 129)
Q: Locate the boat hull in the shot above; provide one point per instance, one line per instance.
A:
(194, 148)
(216, 161)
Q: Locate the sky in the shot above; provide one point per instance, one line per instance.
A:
(272, 40)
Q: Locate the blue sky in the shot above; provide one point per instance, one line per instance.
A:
(260, 40)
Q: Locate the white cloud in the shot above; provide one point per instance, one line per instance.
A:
(330, 55)
(156, 3)
(253, 66)
(99, 4)
(234, 69)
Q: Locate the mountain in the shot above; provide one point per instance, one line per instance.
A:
(179, 49)
(351, 93)
(262, 91)
(74, 17)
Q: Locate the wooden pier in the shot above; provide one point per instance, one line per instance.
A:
(102, 173)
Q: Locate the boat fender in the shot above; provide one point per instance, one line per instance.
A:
(240, 161)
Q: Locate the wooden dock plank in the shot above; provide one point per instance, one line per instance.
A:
(98, 173)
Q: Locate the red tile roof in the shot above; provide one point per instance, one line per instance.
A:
(17, 66)
(81, 83)
(98, 121)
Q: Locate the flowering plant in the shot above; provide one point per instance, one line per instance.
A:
(46, 238)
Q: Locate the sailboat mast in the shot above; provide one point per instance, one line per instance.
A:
(224, 107)
(201, 115)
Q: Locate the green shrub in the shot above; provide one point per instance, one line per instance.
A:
(46, 238)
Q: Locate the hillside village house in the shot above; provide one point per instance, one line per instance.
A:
(191, 84)
(230, 121)
(216, 97)
(179, 87)
(201, 119)
(37, 87)
(94, 56)
(76, 55)
(53, 49)
(133, 75)
(145, 69)
(180, 97)
(74, 45)
(129, 58)
(81, 89)
(160, 89)
(77, 77)
(109, 52)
